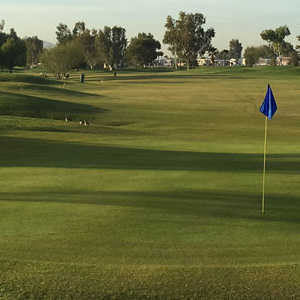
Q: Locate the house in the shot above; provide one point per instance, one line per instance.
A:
(264, 62)
(283, 61)
(221, 62)
(163, 61)
(204, 61)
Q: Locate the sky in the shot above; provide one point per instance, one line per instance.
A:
(231, 19)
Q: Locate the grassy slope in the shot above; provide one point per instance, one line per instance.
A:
(159, 196)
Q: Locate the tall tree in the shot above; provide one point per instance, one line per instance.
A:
(63, 58)
(92, 53)
(34, 48)
(298, 46)
(2, 23)
(235, 49)
(3, 39)
(142, 49)
(224, 54)
(172, 38)
(13, 52)
(113, 44)
(252, 54)
(275, 38)
(265, 52)
(119, 44)
(63, 33)
(212, 52)
(79, 28)
(294, 58)
(187, 37)
(287, 49)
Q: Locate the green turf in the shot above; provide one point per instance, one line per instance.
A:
(160, 196)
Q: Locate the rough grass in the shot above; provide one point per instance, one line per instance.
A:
(159, 198)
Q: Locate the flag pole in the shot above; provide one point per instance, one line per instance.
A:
(268, 108)
(264, 171)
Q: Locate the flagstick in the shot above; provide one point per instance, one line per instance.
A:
(264, 173)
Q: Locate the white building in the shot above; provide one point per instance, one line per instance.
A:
(264, 62)
(283, 61)
(164, 62)
(204, 61)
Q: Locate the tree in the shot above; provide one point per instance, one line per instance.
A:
(275, 38)
(265, 52)
(2, 25)
(142, 49)
(235, 49)
(63, 33)
(91, 47)
(187, 37)
(287, 49)
(113, 44)
(294, 59)
(213, 53)
(224, 55)
(251, 55)
(34, 48)
(13, 51)
(119, 44)
(172, 38)
(63, 58)
(78, 29)
(3, 39)
(296, 55)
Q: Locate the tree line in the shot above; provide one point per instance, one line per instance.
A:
(276, 48)
(79, 47)
(187, 38)
(90, 48)
(15, 51)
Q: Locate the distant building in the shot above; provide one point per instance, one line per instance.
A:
(222, 62)
(204, 61)
(264, 62)
(283, 61)
(164, 62)
(280, 61)
(181, 64)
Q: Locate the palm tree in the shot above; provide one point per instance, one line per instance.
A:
(212, 53)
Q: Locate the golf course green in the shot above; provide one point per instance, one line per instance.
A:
(160, 196)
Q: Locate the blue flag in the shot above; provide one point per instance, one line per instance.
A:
(269, 107)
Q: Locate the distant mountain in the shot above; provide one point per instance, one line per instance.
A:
(48, 45)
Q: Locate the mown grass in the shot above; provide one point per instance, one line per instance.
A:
(159, 197)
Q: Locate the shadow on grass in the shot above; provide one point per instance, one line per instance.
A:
(229, 203)
(158, 77)
(154, 77)
(53, 90)
(196, 203)
(15, 77)
(43, 153)
(30, 106)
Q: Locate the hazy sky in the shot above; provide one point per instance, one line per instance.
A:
(240, 19)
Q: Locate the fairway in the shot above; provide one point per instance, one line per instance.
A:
(160, 197)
